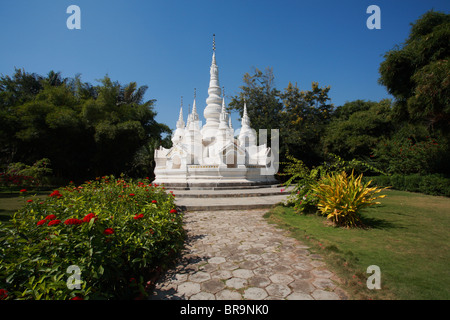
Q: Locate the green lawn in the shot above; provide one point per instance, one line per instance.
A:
(407, 236)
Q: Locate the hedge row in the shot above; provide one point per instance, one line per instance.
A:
(435, 184)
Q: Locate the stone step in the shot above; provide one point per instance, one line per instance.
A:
(230, 187)
(231, 193)
(194, 200)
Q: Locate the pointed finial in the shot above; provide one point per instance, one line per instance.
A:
(223, 92)
(214, 42)
(224, 110)
(245, 119)
(181, 101)
(180, 117)
(194, 106)
(195, 93)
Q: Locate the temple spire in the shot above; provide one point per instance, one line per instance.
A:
(214, 101)
(245, 119)
(180, 122)
(179, 131)
(194, 107)
(224, 110)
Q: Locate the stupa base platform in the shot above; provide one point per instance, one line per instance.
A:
(217, 185)
(214, 177)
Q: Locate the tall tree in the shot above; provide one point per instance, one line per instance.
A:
(417, 74)
(357, 127)
(306, 114)
(262, 98)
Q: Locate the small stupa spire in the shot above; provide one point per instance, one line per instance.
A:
(194, 107)
(194, 114)
(245, 119)
(224, 110)
(180, 122)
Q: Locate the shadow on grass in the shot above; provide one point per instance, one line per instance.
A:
(376, 223)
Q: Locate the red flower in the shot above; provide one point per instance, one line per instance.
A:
(50, 217)
(108, 231)
(138, 216)
(55, 194)
(54, 222)
(131, 194)
(23, 190)
(73, 221)
(41, 222)
(88, 217)
(77, 298)
(30, 200)
(173, 211)
(154, 201)
(3, 294)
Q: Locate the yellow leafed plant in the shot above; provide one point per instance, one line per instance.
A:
(342, 197)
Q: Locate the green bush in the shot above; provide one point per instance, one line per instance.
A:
(406, 155)
(116, 233)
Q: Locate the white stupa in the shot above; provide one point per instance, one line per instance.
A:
(211, 156)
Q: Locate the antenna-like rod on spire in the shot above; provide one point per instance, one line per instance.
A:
(214, 42)
(181, 101)
(195, 93)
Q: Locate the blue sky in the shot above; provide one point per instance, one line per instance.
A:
(167, 45)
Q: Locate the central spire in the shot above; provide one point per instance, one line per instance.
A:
(214, 101)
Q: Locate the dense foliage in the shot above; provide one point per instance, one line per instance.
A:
(84, 130)
(405, 136)
(115, 233)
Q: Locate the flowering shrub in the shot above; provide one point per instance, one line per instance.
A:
(111, 229)
(342, 197)
(19, 174)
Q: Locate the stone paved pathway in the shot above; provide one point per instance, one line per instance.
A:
(236, 254)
